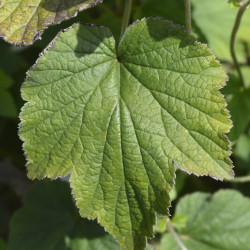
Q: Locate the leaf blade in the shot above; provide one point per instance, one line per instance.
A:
(220, 221)
(101, 117)
(23, 21)
(170, 94)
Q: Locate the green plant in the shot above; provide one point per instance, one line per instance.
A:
(119, 116)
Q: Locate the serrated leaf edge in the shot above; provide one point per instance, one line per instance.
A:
(51, 45)
(229, 149)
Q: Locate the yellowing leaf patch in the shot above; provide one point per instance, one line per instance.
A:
(23, 21)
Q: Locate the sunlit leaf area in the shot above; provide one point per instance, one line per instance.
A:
(125, 124)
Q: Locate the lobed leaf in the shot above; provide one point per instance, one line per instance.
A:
(117, 120)
(23, 21)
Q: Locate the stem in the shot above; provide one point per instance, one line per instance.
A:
(233, 38)
(126, 16)
(177, 239)
(241, 179)
(188, 16)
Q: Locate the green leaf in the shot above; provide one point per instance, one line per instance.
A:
(3, 245)
(7, 104)
(216, 21)
(246, 74)
(219, 221)
(173, 10)
(242, 149)
(179, 221)
(23, 21)
(5, 81)
(99, 243)
(48, 220)
(238, 98)
(235, 4)
(11, 61)
(118, 120)
(161, 225)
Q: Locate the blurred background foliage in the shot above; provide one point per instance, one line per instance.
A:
(212, 23)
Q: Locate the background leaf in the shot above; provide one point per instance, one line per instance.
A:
(173, 10)
(2, 244)
(7, 104)
(242, 149)
(219, 221)
(212, 23)
(238, 98)
(215, 19)
(23, 21)
(234, 4)
(48, 220)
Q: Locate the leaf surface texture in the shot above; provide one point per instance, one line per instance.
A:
(117, 121)
(219, 221)
(23, 21)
